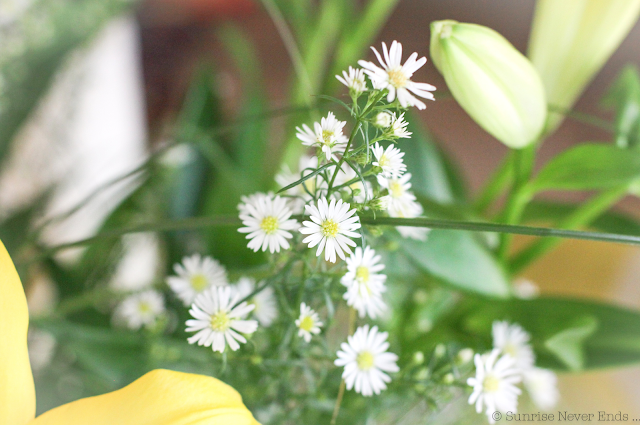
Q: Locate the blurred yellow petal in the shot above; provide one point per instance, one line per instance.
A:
(160, 397)
(17, 393)
(571, 40)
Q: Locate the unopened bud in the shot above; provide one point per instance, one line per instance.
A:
(464, 356)
(492, 81)
(383, 120)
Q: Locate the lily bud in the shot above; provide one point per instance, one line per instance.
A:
(571, 40)
(493, 82)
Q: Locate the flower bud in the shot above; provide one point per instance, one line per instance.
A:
(493, 82)
(571, 40)
(383, 119)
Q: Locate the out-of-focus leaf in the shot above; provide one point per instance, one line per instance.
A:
(432, 173)
(610, 222)
(358, 34)
(624, 98)
(252, 138)
(587, 167)
(568, 344)
(458, 259)
(609, 335)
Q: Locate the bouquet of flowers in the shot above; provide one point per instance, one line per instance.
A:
(348, 278)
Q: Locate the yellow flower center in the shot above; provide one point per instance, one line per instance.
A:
(397, 78)
(199, 282)
(362, 274)
(220, 321)
(327, 137)
(269, 225)
(329, 228)
(510, 349)
(383, 161)
(490, 384)
(306, 323)
(395, 189)
(144, 308)
(365, 360)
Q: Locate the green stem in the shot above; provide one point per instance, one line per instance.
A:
(496, 184)
(292, 48)
(583, 216)
(520, 194)
(346, 150)
(204, 222)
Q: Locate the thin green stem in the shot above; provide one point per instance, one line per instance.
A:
(583, 118)
(520, 194)
(346, 150)
(496, 184)
(204, 222)
(583, 216)
(291, 46)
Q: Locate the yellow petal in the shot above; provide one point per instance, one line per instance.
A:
(17, 393)
(160, 397)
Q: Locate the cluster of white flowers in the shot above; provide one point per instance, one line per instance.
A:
(511, 362)
(219, 317)
(330, 200)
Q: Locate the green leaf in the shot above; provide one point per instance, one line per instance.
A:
(251, 139)
(624, 98)
(610, 222)
(567, 334)
(433, 175)
(568, 344)
(457, 258)
(589, 167)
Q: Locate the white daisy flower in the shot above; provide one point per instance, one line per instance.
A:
(398, 187)
(390, 160)
(326, 135)
(396, 77)
(195, 275)
(494, 385)
(253, 200)
(542, 386)
(302, 193)
(267, 223)
(513, 340)
(354, 80)
(138, 310)
(365, 360)
(216, 319)
(399, 127)
(266, 308)
(308, 323)
(364, 284)
(383, 119)
(331, 226)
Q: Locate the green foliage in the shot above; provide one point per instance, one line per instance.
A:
(624, 98)
(567, 334)
(587, 167)
(458, 259)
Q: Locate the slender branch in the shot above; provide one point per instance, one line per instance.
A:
(582, 216)
(204, 222)
(336, 409)
(290, 44)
